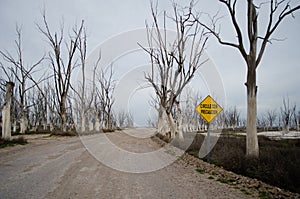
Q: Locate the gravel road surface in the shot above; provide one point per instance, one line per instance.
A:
(65, 167)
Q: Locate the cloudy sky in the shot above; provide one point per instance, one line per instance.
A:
(278, 73)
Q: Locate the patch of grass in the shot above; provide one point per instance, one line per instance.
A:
(245, 191)
(213, 173)
(263, 195)
(15, 141)
(61, 133)
(202, 171)
(223, 180)
(211, 177)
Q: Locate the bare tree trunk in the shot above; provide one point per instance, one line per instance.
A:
(90, 121)
(172, 124)
(251, 130)
(82, 128)
(91, 126)
(6, 124)
(109, 126)
(45, 119)
(162, 125)
(97, 123)
(15, 126)
(63, 113)
(179, 129)
(23, 124)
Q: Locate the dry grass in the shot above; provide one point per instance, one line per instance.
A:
(278, 163)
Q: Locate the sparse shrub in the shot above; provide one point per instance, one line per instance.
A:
(62, 133)
(202, 171)
(164, 138)
(108, 130)
(15, 141)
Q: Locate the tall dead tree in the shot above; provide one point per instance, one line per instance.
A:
(105, 94)
(22, 74)
(62, 65)
(174, 61)
(252, 49)
(85, 102)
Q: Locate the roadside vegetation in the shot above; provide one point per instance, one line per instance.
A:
(14, 141)
(277, 164)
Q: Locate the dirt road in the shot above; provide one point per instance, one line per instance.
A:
(64, 167)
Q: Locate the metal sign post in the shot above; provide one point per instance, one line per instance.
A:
(208, 109)
(208, 144)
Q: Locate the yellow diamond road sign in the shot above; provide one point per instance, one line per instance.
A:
(209, 109)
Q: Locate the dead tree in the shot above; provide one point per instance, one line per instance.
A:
(232, 117)
(271, 117)
(252, 46)
(22, 74)
(105, 94)
(82, 93)
(287, 111)
(121, 118)
(62, 65)
(191, 120)
(6, 124)
(173, 61)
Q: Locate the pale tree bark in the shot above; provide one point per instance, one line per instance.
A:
(278, 10)
(179, 127)
(162, 120)
(6, 124)
(62, 67)
(162, 124)
(97, 123)
(173, 62)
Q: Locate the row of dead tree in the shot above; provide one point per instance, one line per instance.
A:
(34, 96)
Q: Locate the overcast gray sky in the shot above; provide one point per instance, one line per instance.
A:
(278, 73)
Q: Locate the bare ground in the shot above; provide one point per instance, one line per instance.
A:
(61, 167)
